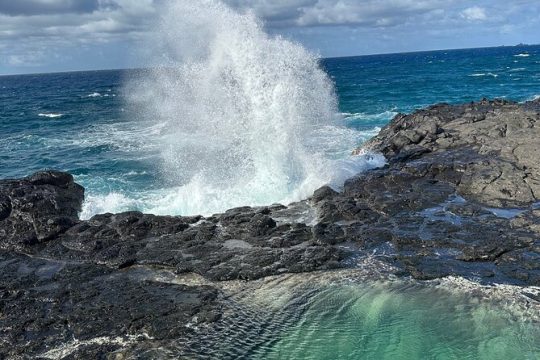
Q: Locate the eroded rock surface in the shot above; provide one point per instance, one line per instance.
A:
(459, 196)
(491, 148)
(460, 192)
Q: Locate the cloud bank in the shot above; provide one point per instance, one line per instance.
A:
(62, 34)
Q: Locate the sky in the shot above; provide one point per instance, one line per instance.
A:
(63, 35)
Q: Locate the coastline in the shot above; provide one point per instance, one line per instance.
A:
(459, 198)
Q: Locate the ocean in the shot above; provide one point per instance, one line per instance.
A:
(88, 123)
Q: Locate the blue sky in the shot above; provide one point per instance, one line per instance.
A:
(61, 35)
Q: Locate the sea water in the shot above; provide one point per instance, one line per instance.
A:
(86, 123)
(235, 118)
(359, 314)
(246, 118)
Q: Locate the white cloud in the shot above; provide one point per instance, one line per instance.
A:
(35, 7)
(30, 29)
(307, 13)
(474, 13)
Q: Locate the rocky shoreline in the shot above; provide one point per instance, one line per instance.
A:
(460, 196)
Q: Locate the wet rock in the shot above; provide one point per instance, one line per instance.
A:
(328, 233)
(54, 309)
(323, 193)
(481, 152)
(523, 264)
(497, 139)
(38, 208)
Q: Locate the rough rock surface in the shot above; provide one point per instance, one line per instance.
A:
(501, 167)
(459, 196)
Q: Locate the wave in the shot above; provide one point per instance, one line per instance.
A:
(383, 116)
(96, 94)
(483, 74)
(530, 98)
(130, 137)
(193, 198)
(50, 115)
(240, 110)
(136, 173)
(522, 55)
(110, 203)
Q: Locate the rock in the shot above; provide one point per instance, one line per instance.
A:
(82, 309)
(323, 193)
(326, 233)
(55, 178)
(38, 208)
(495, 141)
(480, 154)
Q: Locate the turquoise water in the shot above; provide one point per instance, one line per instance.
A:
(347, 315)
(386, 321)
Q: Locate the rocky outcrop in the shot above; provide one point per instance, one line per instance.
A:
(460, 193)
(38, 208)
(459, 196)
(56, 309)
(492, 148)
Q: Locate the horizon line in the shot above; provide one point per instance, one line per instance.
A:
(321, 58)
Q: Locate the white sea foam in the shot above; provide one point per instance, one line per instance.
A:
(68, 348)
(127, 136)
(522, 55)
(50, 115)
(247, 118)
(483, 74)
(94, 94)
(532, 98)
(189, 199)
(136, 173)
(112, 202)
(383, 116)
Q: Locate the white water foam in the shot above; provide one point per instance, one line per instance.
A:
(68, 348)
(484, 74)
(383, 116)
(112, 202)
(522, 55)
(50, 115)
(531, 98)
(248, 119)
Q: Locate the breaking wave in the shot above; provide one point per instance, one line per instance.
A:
(246, 118)
(50, 115)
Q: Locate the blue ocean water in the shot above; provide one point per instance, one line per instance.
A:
(82, 122)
